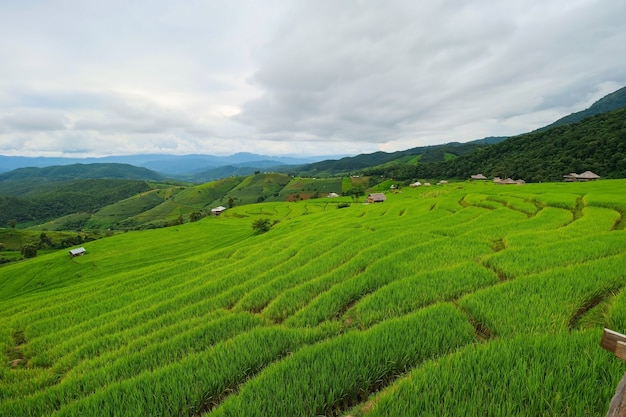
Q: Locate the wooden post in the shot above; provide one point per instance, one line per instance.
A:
(616, 343)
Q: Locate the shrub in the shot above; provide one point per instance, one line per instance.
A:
(261, 225)
(29, 251)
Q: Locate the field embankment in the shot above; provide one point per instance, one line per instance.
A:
(461, 299)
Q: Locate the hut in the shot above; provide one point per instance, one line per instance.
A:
(376, 198)
(333, 195)
(217, 210)
(77, 252)
(478, 177)
(585, 176)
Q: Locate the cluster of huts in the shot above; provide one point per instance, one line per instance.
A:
(585, 176)
(497, 180)
(426, 184)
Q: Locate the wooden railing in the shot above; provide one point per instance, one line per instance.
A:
(616, 343)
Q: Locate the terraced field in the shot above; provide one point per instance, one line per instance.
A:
(462, 299)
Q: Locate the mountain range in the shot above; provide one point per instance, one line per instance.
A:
(203, 168)
(178, 166)
(121, 195)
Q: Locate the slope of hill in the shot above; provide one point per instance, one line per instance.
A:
(381, 161)
(82, 171)
(597, 143)
(465, 300)
(125, 205)
(29, 202)
(610, 102)
(347, 165)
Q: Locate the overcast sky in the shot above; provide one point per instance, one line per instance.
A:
(115, 77)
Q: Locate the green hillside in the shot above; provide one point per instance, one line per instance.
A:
(160, 205)
(47, 201)
(82, 171)
(597, 144)
(347, 165)
(257, 188)
(615, 100)
(461, 299)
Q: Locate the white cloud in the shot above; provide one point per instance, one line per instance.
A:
(315, 77)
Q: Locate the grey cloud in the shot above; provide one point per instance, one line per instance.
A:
(313, 74)
(34, 120)
(367, 72)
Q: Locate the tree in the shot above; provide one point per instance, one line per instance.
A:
(29, 251)
(231, 203)
(261, 225)
(44, 241)
(12, 223)
(195, 216)
(355, 193)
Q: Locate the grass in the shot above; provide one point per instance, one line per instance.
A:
(468, 299)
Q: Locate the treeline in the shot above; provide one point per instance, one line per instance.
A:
(597, 144)
(61, 198)
(432, 153)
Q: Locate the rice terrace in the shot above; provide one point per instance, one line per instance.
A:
(462, 299)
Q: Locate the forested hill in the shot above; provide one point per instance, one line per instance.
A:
(597, 143)
(613, 101)
(83, 171)
(29, 200)
(431, 153)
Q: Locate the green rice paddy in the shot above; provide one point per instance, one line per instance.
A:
(468, 299)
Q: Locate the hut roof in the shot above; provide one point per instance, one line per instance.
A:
(588, 175)
(77, 251)
(377, 197)
(478, 177)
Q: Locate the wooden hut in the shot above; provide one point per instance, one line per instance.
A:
(376, 198)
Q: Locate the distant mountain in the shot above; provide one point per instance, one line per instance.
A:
(168, 165)
(235, 170)
(613, 101)
(82, 171)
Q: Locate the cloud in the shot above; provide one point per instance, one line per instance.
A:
(358, 71)
(33, 120)
(318, 77)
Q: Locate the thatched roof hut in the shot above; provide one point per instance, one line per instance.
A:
(585, 176)
(376, 198)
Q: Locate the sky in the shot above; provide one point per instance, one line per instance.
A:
(301, 77)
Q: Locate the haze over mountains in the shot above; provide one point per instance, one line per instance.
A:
(202, 168)
(172, 165)
(569, 150)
